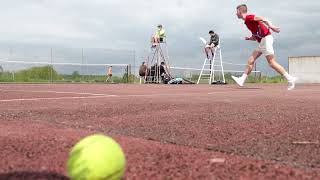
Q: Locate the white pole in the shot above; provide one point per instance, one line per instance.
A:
(224, 80)
(51, 79)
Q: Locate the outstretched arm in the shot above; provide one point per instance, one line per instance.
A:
(252, 38)
(268, 23)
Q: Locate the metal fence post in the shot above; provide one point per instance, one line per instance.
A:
(51, 67)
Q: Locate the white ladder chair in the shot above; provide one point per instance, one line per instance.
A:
(212, 63)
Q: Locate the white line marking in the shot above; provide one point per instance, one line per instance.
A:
(57, 92)
(93, 94)
(151, 95)
(94, 97)
(219, 92)
(232, 92)
(58, 98)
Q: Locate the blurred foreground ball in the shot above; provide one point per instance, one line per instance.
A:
(96, 157)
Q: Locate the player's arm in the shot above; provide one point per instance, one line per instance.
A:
(268, 23)
(252, 38)
(210, 42)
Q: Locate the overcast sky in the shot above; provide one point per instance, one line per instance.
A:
(128, 24)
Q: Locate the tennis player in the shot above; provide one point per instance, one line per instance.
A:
(261, 28)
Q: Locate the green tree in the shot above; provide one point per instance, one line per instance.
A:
(37, 74)
(76, 76)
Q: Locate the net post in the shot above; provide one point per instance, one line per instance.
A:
(81, 68)
(134, 63)
(51, 66)
(128, 73)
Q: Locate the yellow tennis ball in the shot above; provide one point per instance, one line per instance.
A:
(96, 157)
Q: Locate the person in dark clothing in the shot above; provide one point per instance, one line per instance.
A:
(143, 72)
(158, 70)
(143, 69)
(162, 68)
(212, 44)
(153, 70)
(162, 71)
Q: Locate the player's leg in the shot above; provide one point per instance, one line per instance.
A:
(252, 59)
(153, 41)
(213, 48)
(107, 78)
(157, 40)
(277, 67)
(240, 80)
(206, 50)
(269, 53)
(274, 65)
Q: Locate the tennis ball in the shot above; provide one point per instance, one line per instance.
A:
(96, 157)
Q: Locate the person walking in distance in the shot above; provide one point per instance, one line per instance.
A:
(109, 75)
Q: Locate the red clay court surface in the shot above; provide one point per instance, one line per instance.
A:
(166, 131)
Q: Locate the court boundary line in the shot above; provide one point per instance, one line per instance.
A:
(93, 97)
(56, 92)
(56, 98)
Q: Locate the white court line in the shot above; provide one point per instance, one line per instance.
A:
(230, 92)
(219, 92)
(151, 95)
(93, 94)
(57, 92)
(93, 97)
(58, 98)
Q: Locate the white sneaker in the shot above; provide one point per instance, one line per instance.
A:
(239, 80)
(292, 83)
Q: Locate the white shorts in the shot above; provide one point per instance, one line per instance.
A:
(266, 46)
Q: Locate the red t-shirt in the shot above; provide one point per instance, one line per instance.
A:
(259, 29)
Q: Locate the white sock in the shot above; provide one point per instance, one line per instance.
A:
(287, 76)
(244, 76)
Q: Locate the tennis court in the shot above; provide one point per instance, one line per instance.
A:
(262, 131)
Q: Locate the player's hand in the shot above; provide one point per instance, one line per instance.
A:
(250, 38)
(275, 29)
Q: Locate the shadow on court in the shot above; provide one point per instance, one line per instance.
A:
(33, 176)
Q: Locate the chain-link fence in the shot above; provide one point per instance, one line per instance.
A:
(38, 64)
